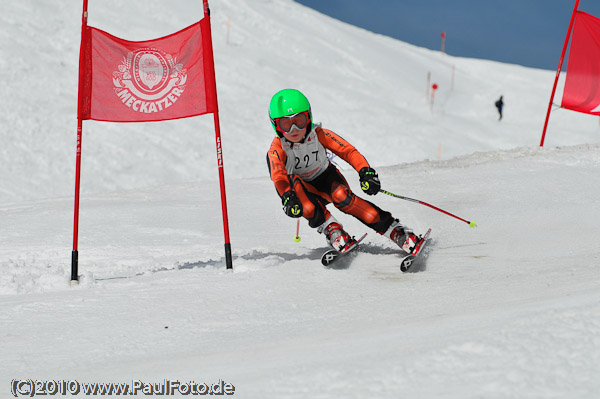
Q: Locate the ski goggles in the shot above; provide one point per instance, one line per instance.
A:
(286, 123)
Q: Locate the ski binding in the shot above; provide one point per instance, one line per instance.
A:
(332, 255)
(413, 258)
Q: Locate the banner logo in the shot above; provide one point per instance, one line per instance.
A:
(149, 80)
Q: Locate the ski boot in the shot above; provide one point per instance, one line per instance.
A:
(335, 235)
(402, 236)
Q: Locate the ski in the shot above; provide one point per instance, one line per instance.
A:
(332, 255)
(412, 259)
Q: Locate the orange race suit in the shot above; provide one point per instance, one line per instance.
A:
(305, 168)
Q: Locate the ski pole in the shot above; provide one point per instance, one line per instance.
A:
(297, 238)
(470, 223)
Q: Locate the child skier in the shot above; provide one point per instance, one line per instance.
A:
(306, 181)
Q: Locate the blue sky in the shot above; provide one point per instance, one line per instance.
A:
(524, 32)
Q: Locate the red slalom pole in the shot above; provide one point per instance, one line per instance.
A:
(209, 68)
(75, 252)
(560, 63)
(470, 223)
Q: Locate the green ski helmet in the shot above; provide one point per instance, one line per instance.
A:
(288, 102)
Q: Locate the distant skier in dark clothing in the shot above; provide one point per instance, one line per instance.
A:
(499, 104)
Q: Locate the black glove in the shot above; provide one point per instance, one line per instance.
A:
(291, 204)
(369, 181)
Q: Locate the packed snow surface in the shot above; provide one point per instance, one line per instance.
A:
(509, 309)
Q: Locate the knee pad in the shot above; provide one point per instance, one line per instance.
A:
(341, 196)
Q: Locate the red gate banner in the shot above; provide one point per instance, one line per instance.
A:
(582, 85)
(167, 78)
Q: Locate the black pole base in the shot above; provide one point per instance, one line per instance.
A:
(228, 260)
(74, 267)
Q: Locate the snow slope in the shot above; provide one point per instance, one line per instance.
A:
(509, 309)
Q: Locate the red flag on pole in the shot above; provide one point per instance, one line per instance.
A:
(154, 80)
(167, 78)
(582, 85)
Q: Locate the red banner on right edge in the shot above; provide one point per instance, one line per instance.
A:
(582, 85)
